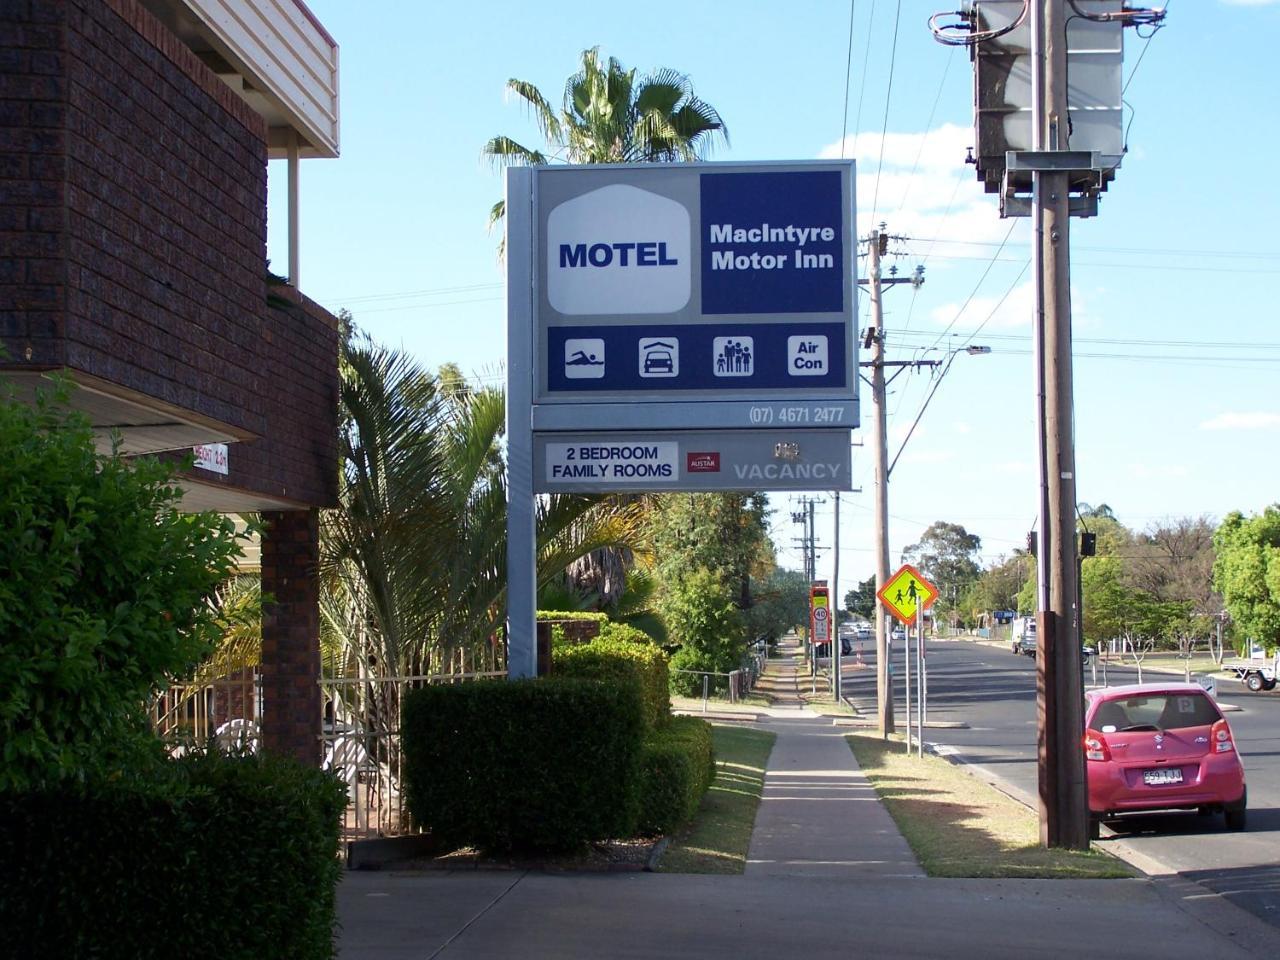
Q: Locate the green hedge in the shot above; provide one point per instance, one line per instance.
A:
(677, 766)
(589, 615)
(530, 765)
(622, 662)
(208, 856)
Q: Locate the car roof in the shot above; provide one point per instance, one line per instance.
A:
(1139, 689)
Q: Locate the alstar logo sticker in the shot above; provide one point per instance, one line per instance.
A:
(702, 462)
(618, 250)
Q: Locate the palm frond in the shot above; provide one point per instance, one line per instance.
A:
(543, 114)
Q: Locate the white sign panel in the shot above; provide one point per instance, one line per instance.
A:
(602, 266)
(613, 462)
(211, 457)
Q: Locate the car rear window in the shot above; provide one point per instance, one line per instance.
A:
(1165, 711)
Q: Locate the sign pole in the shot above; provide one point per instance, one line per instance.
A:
(920, 674)
(906, 681)
(522, 544)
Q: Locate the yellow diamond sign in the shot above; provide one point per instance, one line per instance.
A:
(906, 592)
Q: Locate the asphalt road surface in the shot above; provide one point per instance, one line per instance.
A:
(992, 691)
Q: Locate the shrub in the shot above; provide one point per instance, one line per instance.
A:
(208, 856)
(677, 766)
(585, 615)
(530, 765)
(103, 586)
(625, 633)
(619, 662)
(710, 629)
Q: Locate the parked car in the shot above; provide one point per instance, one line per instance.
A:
(1163, 746)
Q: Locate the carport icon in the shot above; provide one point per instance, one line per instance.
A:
(660, 358)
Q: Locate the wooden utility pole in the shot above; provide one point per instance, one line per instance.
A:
(879, 439)
(1064, 809)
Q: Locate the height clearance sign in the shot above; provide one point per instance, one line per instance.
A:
(693, 296)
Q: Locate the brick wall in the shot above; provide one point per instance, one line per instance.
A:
(291, 702)
(133, 218)
(33, 109)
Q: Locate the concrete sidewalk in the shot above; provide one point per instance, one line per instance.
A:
(819, 815)
(828, 875)
(401, 916)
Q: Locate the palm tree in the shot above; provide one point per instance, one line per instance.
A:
(611, 116)
(414, 560)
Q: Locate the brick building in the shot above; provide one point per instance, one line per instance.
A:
(134, 139)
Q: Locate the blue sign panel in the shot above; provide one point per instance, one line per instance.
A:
(772, 242)
(704, 357)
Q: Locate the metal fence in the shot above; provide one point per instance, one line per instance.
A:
(362, 744)
(360, 736)
(227, 710)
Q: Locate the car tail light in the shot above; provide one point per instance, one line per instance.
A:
(1221, 737)
(1095, 746)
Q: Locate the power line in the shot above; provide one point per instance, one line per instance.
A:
(978, 285)
(884, 129)
(862, 93)
(928, 127)
(848, 72)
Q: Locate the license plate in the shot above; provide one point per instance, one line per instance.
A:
(1156, 778)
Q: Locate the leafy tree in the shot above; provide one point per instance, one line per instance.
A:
(1173, 563)
(702, 617)
(726, 533)
(779, 604)
(861, 600)
(610, 115)
(946, 554)
(1247, 573)
(103, 594)
(997, 587)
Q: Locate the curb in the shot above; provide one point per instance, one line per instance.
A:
(659, 848)
(1204, 905)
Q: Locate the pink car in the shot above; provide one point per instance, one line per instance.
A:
(1160, 747)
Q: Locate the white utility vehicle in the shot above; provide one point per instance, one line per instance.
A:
(1255, 671)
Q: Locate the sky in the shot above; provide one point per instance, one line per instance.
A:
(1175, 324)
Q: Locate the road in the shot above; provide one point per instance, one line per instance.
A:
(992, 692)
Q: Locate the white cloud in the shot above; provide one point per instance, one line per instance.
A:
(962, 428)
(923, 190)
(1014, 313)
(1253, 420)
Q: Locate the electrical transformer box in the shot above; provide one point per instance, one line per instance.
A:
(1002, 90)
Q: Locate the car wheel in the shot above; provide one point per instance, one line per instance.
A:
(1254, 682)
(1268, 684)
(1236, 813)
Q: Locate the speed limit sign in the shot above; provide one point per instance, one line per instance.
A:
(820, 614)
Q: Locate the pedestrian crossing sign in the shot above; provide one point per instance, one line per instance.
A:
(907, 591)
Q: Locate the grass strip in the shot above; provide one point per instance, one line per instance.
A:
(958, 826)
(717, 839)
